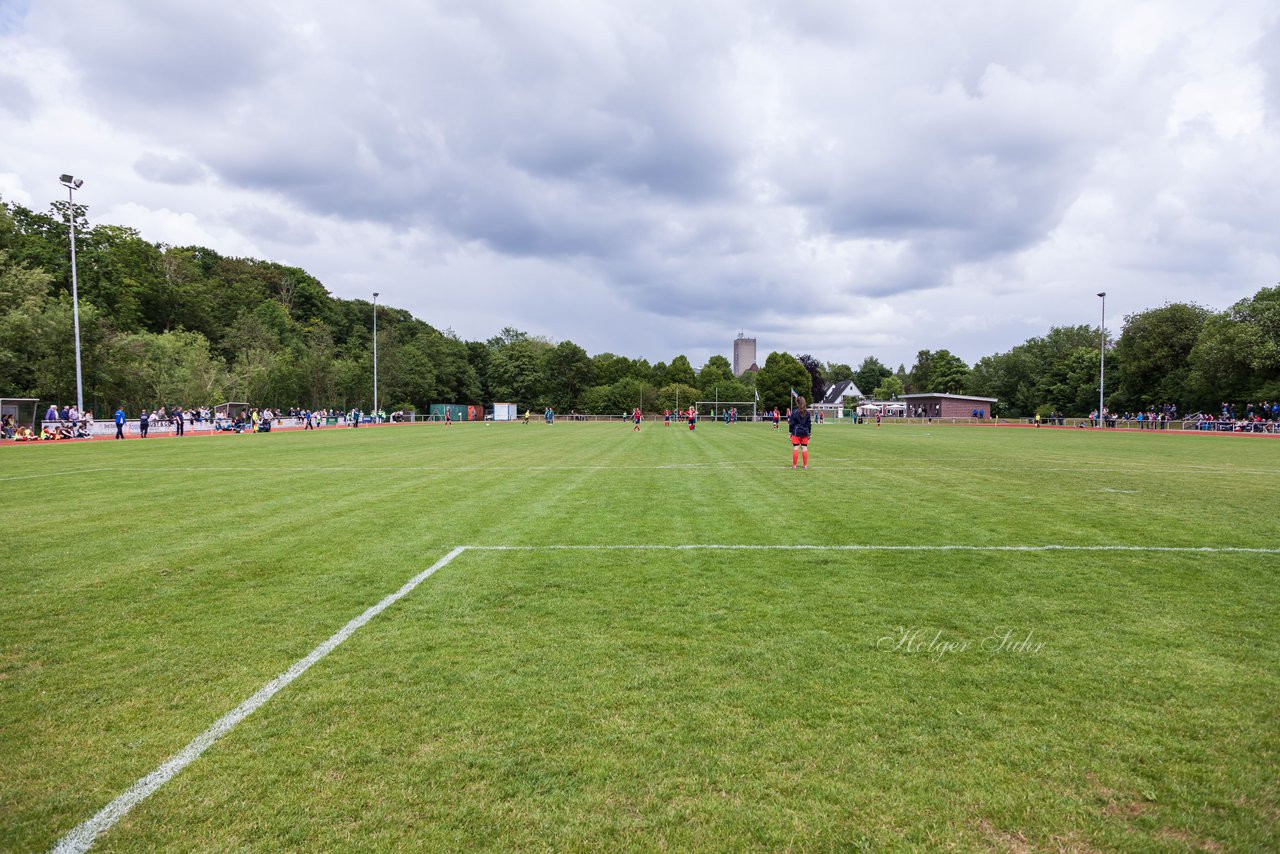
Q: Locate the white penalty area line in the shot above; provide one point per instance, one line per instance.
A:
(887, 548)
(83, 836)
(55, 474)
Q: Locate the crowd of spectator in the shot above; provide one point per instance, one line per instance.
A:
(65, 422)
(1251, 418)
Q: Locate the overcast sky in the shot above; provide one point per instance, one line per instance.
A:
(650, 178)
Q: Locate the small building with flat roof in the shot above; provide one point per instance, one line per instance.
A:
(937, 405)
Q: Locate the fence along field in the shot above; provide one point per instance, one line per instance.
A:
(618, 695)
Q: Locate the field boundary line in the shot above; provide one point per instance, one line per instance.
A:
(56, 473)
(861, 547)
(82, 837)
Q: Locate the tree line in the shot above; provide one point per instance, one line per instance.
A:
(164, 324)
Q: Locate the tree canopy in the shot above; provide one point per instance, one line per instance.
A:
(166, 324)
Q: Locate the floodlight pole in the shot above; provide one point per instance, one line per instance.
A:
(1102, 360)
(375, 357)
(72, 185)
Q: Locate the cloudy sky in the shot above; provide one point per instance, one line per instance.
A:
(649, 178)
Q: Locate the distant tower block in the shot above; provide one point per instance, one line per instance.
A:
(744, 354)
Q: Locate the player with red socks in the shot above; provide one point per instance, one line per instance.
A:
(636, 416)
(798, 425)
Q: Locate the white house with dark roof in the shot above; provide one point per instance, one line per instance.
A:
(841, 395)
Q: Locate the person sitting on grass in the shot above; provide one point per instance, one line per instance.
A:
(24, 434)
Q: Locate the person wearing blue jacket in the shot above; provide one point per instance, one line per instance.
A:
(798, 425)
(120, 419)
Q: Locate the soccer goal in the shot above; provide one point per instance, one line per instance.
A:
(717, 408)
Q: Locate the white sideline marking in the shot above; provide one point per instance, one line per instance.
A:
(83, 836)
(55, 474)
(878, 548)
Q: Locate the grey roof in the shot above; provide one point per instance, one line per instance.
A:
(952, 396)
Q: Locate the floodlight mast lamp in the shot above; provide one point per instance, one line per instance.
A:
(1102, 359)
(72, 184)
(375, 357)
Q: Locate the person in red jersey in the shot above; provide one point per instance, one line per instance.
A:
(666, 418)
(636, 416)
(777, 416)
(799, 425)
(693, 417)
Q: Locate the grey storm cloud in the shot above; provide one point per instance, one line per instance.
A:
(272, 226)
(15, 97)
(153, 54)
(168, 169)
(776, 158)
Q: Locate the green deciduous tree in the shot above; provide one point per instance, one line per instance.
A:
(717, 371)
(870, 373)
(677, 397)
(816, 388)
(1153, 356)
(517, 373)
(838, 373)
(781, 373)
(1236, 357)
(680, 371)
(570, 372)
(890, 387)
(164, 369)
(948, 374)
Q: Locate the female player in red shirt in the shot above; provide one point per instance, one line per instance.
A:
(635, 417)
(693, 417)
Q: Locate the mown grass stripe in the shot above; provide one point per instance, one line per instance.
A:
(82, 837)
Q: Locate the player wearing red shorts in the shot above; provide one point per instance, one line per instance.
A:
(799, 425)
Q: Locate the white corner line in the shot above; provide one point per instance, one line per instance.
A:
(83, 836)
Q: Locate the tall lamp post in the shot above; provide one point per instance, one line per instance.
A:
(1102, 359)
(72, 184)
(375, 357)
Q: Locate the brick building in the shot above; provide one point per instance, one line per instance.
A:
(949, 405)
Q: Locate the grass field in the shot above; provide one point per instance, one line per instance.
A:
(595, 687)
